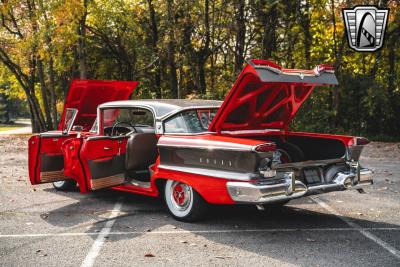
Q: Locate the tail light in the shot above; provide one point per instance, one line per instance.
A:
(265, 147)
(361, 141)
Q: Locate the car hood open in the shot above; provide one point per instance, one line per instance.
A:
(86, 95)
(267, 96)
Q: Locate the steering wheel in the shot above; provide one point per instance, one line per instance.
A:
(122, 122)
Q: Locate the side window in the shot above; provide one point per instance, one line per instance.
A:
(94, 126)
(190, 121)
(69, 119)
(142, 117)
(175, 125)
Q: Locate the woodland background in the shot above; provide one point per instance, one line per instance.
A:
(195, 49)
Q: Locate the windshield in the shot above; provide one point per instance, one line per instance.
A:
(124, 120)
(190, 121)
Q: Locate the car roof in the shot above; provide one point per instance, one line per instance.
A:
(165, 107)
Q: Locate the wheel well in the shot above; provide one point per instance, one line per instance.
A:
(160, 182)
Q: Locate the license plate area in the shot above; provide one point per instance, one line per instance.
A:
(313, 175)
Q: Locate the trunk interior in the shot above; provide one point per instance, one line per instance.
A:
(305, 148)
(313, 159)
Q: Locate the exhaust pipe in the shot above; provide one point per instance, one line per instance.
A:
(345, 180)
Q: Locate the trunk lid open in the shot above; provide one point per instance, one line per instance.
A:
(267, 96)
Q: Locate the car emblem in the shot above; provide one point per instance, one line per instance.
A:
(365, 26)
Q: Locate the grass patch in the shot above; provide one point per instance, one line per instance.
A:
(6, 127)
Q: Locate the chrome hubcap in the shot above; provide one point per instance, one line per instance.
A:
(181, 195)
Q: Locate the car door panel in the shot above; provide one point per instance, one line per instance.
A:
(46, 160)
(104, 161)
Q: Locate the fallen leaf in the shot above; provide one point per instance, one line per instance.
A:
(183, 242)
(219, 257)
(360, 213)
(148, 230)
(149, 255)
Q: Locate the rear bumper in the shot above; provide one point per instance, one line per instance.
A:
(290, 188)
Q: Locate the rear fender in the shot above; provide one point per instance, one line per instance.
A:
(213, 190)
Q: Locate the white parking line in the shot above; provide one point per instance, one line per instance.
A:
(105, 231)
(364, 231)
(175, 232)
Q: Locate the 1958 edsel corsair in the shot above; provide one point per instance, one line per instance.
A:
(197, 152)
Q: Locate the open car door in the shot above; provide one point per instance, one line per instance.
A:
(103, 160)
(46, 158)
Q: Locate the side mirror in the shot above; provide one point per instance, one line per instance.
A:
(77, 128)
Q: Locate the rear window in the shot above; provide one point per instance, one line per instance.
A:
(190, 121)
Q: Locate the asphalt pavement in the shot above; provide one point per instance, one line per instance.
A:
(42, 227)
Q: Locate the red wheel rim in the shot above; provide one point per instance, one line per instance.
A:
(179, 194)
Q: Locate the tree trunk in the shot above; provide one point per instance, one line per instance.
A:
(269, 32)
(82, 42)
(305, 20)
(52, 89)
(173, 82)
(154, 42)
(51, 85)
(44, 93)
(240, 35)
(204, 52)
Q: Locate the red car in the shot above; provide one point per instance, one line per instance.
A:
(199, 152)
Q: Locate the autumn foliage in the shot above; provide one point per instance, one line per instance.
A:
(195, 49)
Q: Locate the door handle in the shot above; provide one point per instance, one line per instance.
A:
(106, 148)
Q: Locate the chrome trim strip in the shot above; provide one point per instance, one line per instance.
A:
(251, 131)
(166, 141)
(316, 71)
(100, 137)
(210, 172)
(189, 134)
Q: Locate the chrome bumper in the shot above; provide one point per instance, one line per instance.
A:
(289, 188)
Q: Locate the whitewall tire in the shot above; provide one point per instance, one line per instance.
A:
(183, 202)
(65, 185)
